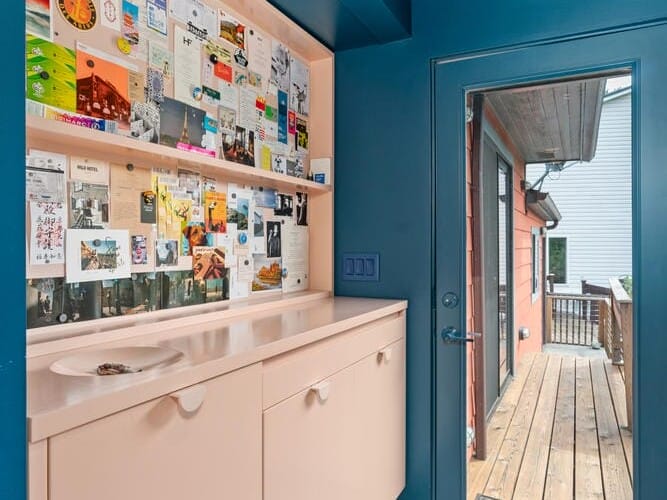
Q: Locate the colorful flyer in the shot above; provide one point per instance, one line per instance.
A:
(130, 24)
(223, 71)
(102, 86)
(208, 263)
(282, 117)
(157, 15)
(291, 122)
(231, 29)
(82, 14)
(215, 211)
(51, 73)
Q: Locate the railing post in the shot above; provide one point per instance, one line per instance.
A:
(627, 357)
(548, 322)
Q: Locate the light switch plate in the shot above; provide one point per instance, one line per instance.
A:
(361, 267)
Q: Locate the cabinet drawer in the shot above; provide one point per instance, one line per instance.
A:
(292, 372)
(309, 444)
(168, 448)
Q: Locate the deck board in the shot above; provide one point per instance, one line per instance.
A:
(532, 474)
(479, 470)
(617, 388)
(615, 474)
(559, 432)
(587, 469)
(506, 469)
(560, 471)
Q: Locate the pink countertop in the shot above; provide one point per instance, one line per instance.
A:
(58, 402)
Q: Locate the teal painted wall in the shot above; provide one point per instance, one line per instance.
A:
(383, 170)
(12, 331)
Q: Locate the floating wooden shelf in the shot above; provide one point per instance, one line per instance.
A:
(71, 139)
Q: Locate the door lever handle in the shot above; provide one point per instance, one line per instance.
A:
(451, 335)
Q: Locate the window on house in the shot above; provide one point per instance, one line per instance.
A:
(535, 262)
(558, 259)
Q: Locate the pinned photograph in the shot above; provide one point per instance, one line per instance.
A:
(134, 295)
(139, 250)
(38, 18)
(208, 263)
(265, 197)
(166, 253)
(97, 254)
(44, 301)
(194, 235)
(231, 29)
(273, 230)
(280, 66)
(239, 147)
(239, 215)
(301, 209)
(285, 206)
(182, 127)
(279, 163)
(179, 288)
(227, 119)
(268, 274)
(299, 86)
(102, 87)
(295, 167)
(216, 290)
(145, 122)
(89, 206)
(51, 301)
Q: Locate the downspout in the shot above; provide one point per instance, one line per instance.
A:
(554, 225)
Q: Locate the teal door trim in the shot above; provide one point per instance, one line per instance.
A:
(633, 47)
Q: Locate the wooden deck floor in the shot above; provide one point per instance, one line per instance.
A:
(560, 432)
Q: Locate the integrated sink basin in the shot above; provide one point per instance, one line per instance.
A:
(116, 361)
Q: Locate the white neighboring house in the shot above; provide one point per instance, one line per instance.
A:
(595, 200)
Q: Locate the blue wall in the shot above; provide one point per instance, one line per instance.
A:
(383, 155)
(12, 331)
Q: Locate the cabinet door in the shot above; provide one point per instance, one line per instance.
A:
(158, 450)
(309, 443)
(380, 409)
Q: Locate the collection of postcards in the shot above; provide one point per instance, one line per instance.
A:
(122, 239)
(183, 74)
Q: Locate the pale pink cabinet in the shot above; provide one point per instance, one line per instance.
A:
(380, 409)
(343, 436)
(201, 443)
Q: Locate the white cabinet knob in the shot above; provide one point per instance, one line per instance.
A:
(322, 390)
(385, 354)
(190, 399)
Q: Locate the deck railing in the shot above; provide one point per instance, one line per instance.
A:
(621, 326)
(585, 319)
(575, 319)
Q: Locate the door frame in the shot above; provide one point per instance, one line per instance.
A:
(448, 91)
(479, 134)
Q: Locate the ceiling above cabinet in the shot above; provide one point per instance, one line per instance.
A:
(348, 24)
